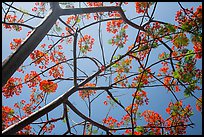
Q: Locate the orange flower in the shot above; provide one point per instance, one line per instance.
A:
(48, 86)
(152, 117)
(56, 71)
(199, 104)
(168, 110)
(105, 103)
(86, 93)
(39, 57)
(17, 41)
(15, 44)
(164, 69)
(113, 26)
(198, 49)
(167, 81)
(142, 6)
(94, 4)
(177, 88)
(29, 79)
(85, 43)
(110, 121)
(13, 85)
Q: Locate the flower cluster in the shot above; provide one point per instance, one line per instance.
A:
(30, 80)
(199, 104)
(180, 40)
(178, 118)
(112, 122)
(86, 93)
(114, 14)
(189, 19)
(143, 78)
(15, 44)
(197, 46)
(94, 4)
(129, 132)
(120, 39)
(153, 119)
(57, 56)
(39, 8)
(164, 68)
(134, 108)
(141, 97)
(85, 43)
(56, 71)
(48, 86)
(39, 57)
(71, 20)
(121, 80)
(13, 85)
(118, 28)
(167, 81)
(12, 19)
(142, 7)
(48, 128)
(198, 50)
(123, 66)
(118, 3)
(27, 109)
(7, 117)
(144, 46)
(113, 26)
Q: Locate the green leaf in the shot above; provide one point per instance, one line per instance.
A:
(176, 75)
(78, 20)
(191, 113)
(189, 55)
(23, 11)
(110, 41)
(170, 28)
(154, 45)
(151, 133)
(140, 129)
(11, 112)
(115, 65)
(173, 113)
(187, 92)
(95, 131)
(144, 47)
(64, 120)
(175, 108)
(168, 37)
(186, 27)
(122, 30)
(58, 29)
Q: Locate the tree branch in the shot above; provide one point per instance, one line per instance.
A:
(13, 62)
(86, 118)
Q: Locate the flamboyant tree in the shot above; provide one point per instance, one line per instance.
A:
(95, 67)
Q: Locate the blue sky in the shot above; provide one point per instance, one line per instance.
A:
(159, 97)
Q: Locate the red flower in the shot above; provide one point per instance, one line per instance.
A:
(86, 93)
(168, 110)
(102, 68)
(85, 43)
(13, 85)
(15, 44)
(29, 79)
(105, 103)
(48, 86)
